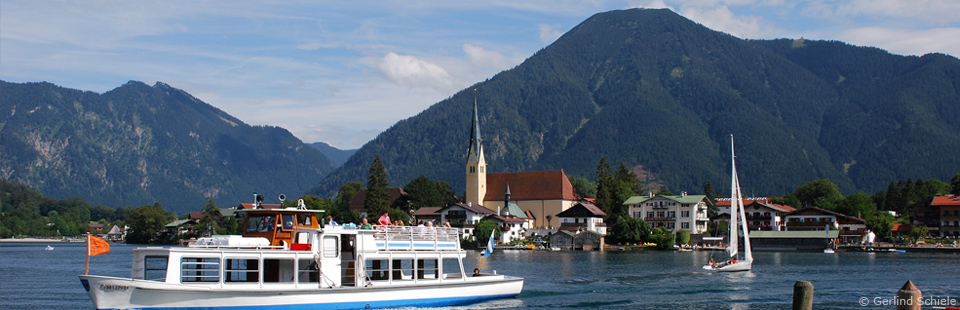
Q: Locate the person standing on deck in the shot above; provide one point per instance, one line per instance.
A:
(384, 219)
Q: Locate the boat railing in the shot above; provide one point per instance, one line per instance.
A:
(417, 238)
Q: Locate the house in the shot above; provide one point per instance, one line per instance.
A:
(572, 240)
(583, 217)
(808, 240)
(464, 216)
(356, 202)
(949, 211)
(542, 194)
(511, 227)
(427, 214)
(687, 212)
(180, 227)
(926, 214)
(816, 219)
(95, 228)
(760, 213)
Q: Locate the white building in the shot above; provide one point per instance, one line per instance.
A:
(686, 212)
(583, 217)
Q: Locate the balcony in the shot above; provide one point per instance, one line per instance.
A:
(659, 218)
(758, 217)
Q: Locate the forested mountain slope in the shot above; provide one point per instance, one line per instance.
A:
(662, 94)
(137, 145)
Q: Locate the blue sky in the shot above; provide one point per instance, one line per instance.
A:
(343, 71)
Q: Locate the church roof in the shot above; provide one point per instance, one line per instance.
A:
(534, 185)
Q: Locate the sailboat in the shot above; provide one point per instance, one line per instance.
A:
(737, 216)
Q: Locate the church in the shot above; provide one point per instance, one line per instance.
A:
(540, 194)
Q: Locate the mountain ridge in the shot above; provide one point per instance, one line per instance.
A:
(661, 93)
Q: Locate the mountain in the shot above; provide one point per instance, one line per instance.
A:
(662, 94)
(337, 156)
(137, 145)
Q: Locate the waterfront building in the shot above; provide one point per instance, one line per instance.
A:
(541, 194)
(686, 212)
(583, 217)
(817, 219)
(761, 214)
(464, 216)
(948, 207)
(511, 227)
(577, 240)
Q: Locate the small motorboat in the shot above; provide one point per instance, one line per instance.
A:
(49, 248)
(828, 251)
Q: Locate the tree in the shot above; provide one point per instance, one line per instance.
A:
(422, 192)
(341, 204)
(605, 186)
(483, 229)
(582, 187)
(448, 197)
(629, 230)
(857, 204)
(955, 185)
(709, 191)
(146, 223)
(919, 231)
(210, 221)
(663, 238)
(820, 193)
(683, 236)
(881, 225)
(378, 199)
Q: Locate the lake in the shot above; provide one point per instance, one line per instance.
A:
(32, 278)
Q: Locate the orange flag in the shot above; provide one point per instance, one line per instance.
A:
(98, 246)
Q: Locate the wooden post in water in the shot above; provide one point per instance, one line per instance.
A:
(909, 297)
(803, 295)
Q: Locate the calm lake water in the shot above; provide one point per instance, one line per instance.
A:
(31, 278)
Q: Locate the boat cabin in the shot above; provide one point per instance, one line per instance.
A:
(288, 249)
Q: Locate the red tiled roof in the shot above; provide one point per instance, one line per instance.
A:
(535, 185)
(426, 211)
(583, 210)
(725, 202)
(356, 202)
(946, 201)
(195, 215)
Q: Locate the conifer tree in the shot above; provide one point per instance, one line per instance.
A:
(378, 199)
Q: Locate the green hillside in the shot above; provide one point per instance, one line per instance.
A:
(137, 145)
(661, 93)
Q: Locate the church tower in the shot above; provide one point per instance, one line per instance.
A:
(476, 164)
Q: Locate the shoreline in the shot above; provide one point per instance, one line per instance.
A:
(39, 240)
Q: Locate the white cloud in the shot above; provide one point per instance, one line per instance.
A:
(933, 12)
(722, 19)
(906, 42)
(549, 33)
(481, 57)
(413, 71)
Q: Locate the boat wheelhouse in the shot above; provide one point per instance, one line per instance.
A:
(285, 260)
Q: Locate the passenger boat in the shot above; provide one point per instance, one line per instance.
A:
(285, 260)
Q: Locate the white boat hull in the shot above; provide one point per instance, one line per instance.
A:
(738, 266)
(122, 293)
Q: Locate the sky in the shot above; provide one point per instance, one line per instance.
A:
(341, 72)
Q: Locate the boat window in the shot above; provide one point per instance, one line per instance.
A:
(194, 269)
(376, 269)
(427, 269)
(241, 270)
(277, 270)
(288, 221)
(303, 220)
(450, 267)
(155, 268)
(330, 248)
(307, 271)
(261, 223)
(402, 269)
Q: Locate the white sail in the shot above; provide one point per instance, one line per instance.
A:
(734, 205)
(738, 221)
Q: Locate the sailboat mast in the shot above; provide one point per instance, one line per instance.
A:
(734, 199)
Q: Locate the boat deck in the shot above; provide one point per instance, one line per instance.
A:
(419, 238)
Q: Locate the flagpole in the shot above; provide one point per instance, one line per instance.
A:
(87, 271)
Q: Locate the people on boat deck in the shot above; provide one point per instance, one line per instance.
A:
(330, 221)
(446, 224)
(364, 224)
(384, 219)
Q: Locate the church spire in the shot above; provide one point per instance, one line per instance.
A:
(475, 127)
(476, 168)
